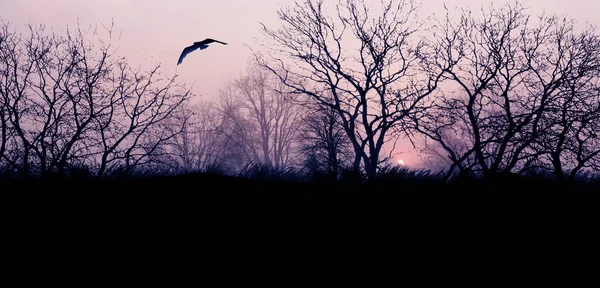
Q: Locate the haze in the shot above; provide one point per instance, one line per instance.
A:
(155, 31)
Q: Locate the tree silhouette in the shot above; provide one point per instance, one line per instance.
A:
(68, 101)
(364, 64)
(200, 146)
(259, 119)
(324, 142)
(508, 77)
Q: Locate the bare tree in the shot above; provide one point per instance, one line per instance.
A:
(324, 142)
(572, 142)
(7, 40)
(211, 145)
(259, 119)
(504, 74)
(37, 79)
(69, 101)
(236, 128)
(199, 146)
(131, 132)
(367, 60)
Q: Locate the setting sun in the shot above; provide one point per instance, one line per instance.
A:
(400, 162)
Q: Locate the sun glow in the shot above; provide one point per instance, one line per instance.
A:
(400, 162)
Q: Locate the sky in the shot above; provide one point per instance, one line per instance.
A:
(155, 31)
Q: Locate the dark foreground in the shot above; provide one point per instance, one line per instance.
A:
(213, 223)
(203, 193)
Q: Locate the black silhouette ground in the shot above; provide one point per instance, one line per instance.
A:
(217, 221)
(208, 193)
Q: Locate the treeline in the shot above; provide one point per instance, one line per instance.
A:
(479, 94)
(70, 105)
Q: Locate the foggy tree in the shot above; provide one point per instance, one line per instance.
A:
(236, 129)
(506, 72)
(367, 59)
(199, 146)
(324, 142)
(444, 149)
(259, 119)
(212, 145)
(71, 102)
(176, 155)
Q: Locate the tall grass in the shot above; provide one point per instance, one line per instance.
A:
(389, 178)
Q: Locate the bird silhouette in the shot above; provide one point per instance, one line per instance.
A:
(197, 45)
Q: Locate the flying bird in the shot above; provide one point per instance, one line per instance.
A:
(197, 45)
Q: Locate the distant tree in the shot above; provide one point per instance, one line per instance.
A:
(507, 78)
(259, 119)
(323, 141)
(69, 101)
(362, 62)
(199, 146)
(445, 151)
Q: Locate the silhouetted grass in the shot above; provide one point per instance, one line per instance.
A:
(403, 178)
(260, 187)
(212, 203)
(260, 171)
(392, 179)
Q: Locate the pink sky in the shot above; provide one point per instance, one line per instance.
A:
(157, 30)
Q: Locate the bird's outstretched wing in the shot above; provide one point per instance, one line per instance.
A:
(197, 45)
(186, 51)
(209, 40)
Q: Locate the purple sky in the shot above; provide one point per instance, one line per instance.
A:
(157, 30)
